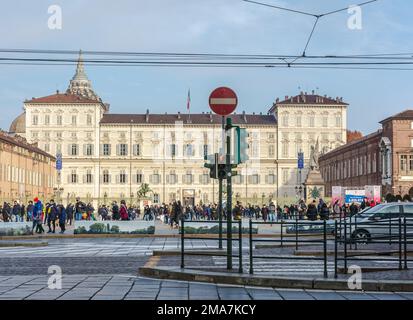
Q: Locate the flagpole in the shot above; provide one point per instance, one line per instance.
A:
(189, 105)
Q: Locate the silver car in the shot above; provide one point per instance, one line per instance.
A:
(380, 222)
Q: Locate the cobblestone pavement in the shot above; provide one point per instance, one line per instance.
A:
(118, 287)
(103, 255)
(107, 268)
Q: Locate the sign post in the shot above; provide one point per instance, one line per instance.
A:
(223, 101)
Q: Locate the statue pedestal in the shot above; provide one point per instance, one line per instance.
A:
(314, 186)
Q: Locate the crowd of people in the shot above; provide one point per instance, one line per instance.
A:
(54, 214)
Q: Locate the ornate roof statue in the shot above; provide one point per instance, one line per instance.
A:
(80, 84)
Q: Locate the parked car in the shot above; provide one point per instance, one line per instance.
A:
(379, 222)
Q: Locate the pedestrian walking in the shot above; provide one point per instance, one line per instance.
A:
(62, 218)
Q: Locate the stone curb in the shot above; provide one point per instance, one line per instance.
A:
(191, 253)
(72, 236)
(273, 282)
(23, 244)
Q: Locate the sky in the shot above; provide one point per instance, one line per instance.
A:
(209, 26)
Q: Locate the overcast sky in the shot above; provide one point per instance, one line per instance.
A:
(209, 26)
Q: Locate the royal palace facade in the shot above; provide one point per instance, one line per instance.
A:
(109, 156)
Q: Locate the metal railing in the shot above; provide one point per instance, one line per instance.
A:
(374, 232)
(341, 234)
(297, 241)
(219, 239)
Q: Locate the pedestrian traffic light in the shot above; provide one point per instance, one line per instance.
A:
(241, 145)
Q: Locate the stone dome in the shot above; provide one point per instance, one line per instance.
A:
(18, 126)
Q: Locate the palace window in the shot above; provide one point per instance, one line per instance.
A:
(59, 120)
(73, 149)
(74, 120)
(172, 178)
(173, 150)
(156, 177)
(284, 120)
(254, 178)
(311, 121)
(122, 149)
(136, 150)
(73, 177)
(106, 149)
(46, 119)
(285, 149)
(298, 121)
(139, 177)
(205, 150)
(204, 178)
(35, 120)
(123, 177)
(88, 150)
(271, 151)
(271, 178)
(338, 121)
(89, 119)
(189, 150)
(106, 177)
(89, 177)
(188, 177)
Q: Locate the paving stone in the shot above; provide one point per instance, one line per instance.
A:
(349, 295)
(325, 295)
(294, 294)
(386, 296)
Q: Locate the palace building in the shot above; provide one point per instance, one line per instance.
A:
(109, 156)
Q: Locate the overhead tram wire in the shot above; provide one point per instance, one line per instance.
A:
(282, 66)
(316, 16)
(212, 56)
(206, 63)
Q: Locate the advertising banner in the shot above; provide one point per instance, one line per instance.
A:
(356, 196)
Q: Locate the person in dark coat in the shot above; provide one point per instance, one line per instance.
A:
(62, 218)
(52, 216)
(22, 212)
(29, 209)
(6, 212)
(115, 211)
(312, 211)
(324, 212)
(16, 211)
(69, 213)
(353, 209)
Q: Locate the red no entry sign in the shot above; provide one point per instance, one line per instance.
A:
(223, 101)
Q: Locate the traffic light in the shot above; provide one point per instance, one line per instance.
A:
(241, 145)
(212, 166)
(222, 173)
